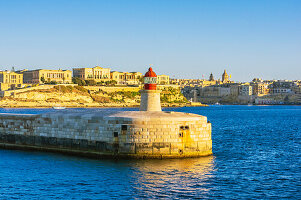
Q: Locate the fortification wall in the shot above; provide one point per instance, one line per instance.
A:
(124, 134)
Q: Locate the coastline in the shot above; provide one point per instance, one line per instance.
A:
(112, 105)
(90, 105)
(86, 97)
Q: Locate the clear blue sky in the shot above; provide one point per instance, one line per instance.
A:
(183, 39)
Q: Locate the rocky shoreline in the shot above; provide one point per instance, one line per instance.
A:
(87, 97)
(44, 104)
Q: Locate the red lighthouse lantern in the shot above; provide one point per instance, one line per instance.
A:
(150, 80)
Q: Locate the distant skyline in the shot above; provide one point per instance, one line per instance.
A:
(183, 39)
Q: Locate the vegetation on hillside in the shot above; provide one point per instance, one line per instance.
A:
(172, 95)
(79, 95)
(71, 89)
(81, 82)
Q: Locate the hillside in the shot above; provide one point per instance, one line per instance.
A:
(79, 96)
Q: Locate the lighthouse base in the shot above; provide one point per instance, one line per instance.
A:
(150, 100)
(130, 134)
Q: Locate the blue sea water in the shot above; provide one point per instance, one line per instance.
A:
(256, 155)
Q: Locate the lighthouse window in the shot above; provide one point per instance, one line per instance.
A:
(150, 80)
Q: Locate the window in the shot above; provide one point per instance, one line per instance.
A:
(124, 127)
(115, 134)
(184, 127)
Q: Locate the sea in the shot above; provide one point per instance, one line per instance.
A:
(256, 155)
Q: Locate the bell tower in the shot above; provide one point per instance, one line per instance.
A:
(211, 78)
(225, 77)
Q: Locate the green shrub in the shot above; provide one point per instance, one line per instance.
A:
(78, 81)
(90, 82)
(82, 89)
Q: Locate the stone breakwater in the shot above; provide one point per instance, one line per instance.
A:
(134, 134)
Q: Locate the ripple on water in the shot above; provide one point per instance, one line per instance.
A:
(256, 155)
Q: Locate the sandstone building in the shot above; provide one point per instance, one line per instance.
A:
(162, 79)
(225, 77)
(47, 75)
(97, 73)
(126, 78)
(260, 89)
(211, 78)
(245, 90)
(10, 80)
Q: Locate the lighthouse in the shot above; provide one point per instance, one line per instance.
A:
(150, 96)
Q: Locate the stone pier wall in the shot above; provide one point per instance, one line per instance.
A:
(124, 134)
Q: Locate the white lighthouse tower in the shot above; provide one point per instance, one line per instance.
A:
(150, 96)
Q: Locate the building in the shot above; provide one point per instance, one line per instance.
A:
(211, 78)
(193, 82)
(97, 74)
(297, 89)
(162, 79)
(214, 91)
(224, 91)
(259, 101)
(126, 78)
(47, 76)
(257, 80)
(225, 77)
(283, 84)
(245, 90)
(282, 91)
(234, 89)
(260, 88)
(202, 82)
(10, 80)
(282, 87)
